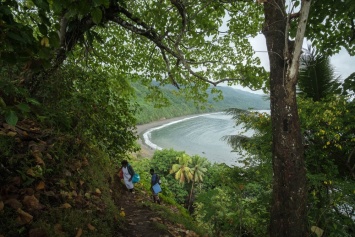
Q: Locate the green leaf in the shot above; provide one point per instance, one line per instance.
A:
(23, 107)
(104, 3)
(42, 4)
(33, 101)
(11, 117)
(96, 15)
(43, 29)
(14, 36)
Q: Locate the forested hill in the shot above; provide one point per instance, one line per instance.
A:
(232, 98)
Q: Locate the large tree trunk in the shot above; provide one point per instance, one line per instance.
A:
(288, 211)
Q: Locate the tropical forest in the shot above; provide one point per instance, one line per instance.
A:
(80, 78)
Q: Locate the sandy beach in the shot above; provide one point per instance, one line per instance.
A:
(146, 151)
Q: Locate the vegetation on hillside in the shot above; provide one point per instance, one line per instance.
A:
(326, 109)
(176, 105)
(68, 116)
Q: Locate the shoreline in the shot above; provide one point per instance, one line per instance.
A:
(146, 151)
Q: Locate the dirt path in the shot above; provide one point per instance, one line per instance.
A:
(141, 218)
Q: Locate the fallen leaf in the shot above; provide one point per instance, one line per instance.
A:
(40, 161)
(49, 193)
(9, 127)
(49, 156)
(16, 180)
(58, 228)
(318, 231)
(79, 232)
(31, 172)
(72, 184)
(11, 134)
(14, 203)
(85, 162)
(24, 217)
(76, 165)
(38, 232)
(31, 202)
(92, 228)
(38, 156)
(40, 185)
(29, 191)
(67, 173)
(122, 213)
(31, 144)
(65, 205)
(81, 182)
(98, 191)
(155, 219)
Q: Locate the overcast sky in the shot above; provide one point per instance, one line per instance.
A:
(343, 63)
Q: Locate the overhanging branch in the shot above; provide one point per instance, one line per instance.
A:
(301, 29)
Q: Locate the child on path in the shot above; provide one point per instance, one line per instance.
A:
(154, 180)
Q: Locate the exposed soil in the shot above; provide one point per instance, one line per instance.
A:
(140, 219)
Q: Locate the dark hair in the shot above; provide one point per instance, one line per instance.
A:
(151, 170)
(124, 162)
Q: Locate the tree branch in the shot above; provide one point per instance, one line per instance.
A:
(352, 29)
(301, 29)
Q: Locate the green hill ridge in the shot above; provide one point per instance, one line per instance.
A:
(179, 106)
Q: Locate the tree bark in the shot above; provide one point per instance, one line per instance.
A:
(289, 199)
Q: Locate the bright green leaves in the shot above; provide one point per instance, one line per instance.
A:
(325, 119)
(316, 76)
(16, 38)
(13, 113)
(11, 117)
(330, 26)
(182, 170)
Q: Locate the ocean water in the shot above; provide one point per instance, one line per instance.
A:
(198, 135)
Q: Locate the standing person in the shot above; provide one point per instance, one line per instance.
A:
(128, 173)
(154, 180)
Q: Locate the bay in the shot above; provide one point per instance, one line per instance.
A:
(198, 135)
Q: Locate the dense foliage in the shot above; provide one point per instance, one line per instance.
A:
(328, 135)
(176, 105)
(66, 65)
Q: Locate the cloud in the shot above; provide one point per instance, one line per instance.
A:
(343, 64)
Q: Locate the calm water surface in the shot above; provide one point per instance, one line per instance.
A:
(199, 135)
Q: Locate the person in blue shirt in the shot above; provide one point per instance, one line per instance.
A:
(155, 180)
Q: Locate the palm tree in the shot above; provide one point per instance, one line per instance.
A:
(316, 76)
(349, 85)
(182, 170)
(198, 169)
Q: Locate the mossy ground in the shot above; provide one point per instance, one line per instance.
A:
(55, 184)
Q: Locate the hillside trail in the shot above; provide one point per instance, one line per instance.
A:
(139, 217)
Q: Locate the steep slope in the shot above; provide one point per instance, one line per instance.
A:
(54, 184)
